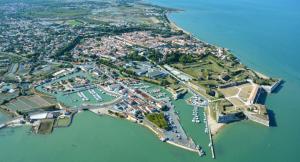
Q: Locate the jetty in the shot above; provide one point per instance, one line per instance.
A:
(211, 144)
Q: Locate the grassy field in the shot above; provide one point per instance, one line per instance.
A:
(242, 91)
(231, 91)
(159, 120)
(208, 65)
(236, 102)
(210, 72)
(245, 92)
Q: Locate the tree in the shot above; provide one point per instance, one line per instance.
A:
(164, 82)
(135, 56)
(186, 58)
(154, 55)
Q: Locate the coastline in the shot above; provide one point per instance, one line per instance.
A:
(176, 27)
(169, 142)
(213, 125)
(158, 134)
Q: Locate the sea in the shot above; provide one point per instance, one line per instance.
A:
(264, 35)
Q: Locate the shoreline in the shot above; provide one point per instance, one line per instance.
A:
(158, 134)
(169, 142)
(214, 127)
(177, 27)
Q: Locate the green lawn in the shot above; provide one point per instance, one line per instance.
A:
(159, 120)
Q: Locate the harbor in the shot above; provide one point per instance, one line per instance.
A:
(196, 115)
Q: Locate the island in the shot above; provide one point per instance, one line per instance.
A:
(122, 58)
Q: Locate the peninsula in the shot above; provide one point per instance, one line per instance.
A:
(122, 58)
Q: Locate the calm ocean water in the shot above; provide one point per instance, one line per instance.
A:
(263, 34)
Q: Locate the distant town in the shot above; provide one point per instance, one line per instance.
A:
(123, 59)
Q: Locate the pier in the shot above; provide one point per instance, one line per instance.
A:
(211, 144)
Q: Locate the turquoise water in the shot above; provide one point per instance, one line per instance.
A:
(263, 34)
(193, 130)
(89, 138)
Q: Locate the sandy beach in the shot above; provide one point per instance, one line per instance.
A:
(213, 125)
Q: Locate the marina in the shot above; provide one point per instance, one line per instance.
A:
(196, 115)
(187, 113)
(76, 89)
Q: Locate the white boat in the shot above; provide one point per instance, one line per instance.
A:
(201, 153)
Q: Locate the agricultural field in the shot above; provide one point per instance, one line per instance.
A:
(29, 103)
(130, 14)
(58, 10)
(8, 96)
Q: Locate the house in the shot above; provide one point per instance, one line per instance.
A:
(114, 87)
(161, 104)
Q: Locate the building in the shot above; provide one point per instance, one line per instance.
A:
(156, 74)
(38, 116)
(254, 96)
(227, 118)
(140, 72)
(114, 87)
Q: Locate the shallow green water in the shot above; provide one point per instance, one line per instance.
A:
(90, 138)
(194, 130)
